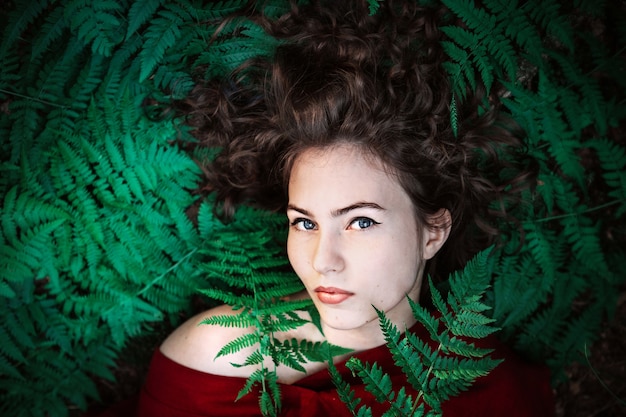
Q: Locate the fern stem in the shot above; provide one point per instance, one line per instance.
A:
(589, 210)
(49, 103)
(421, 393)
(261, 331)
(619, 400)
(160, 277)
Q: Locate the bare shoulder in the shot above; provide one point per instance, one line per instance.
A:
(196, 345)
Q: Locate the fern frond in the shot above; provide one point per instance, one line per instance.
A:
(519, 291)
(238, 41)
(346, 394)
(613, 161)
(582, 330)
(585, 240)
(50, 32)
(88, 80)
(475, 17)
(241, 342)
(122, 75)
(318, 351)
(461, 347)
(270, 396)
(139, 13)
(549, 16)
(589, 87)
(545, 249)
(288, 285)
(179, 83)
(227, 297)
(161, 35)
(404, 356)
(378, 383)
(97, 24)
(24, 14)
(428, 320)
(515, 24)
(10, 351)
(240, 320)
(268, 307)
(9, 76)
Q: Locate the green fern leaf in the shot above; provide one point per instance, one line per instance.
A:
(270, 399)
(373, 6)
(544, 247)
(21, 17)
(426, 318)
(377, 382)
(51, 31)
(241, 342)
(515, 24)
(503, 51)
(9, 350)
(590, 89)
(581, 331)
(476, 18)
(613, 161)
(139, 13)
(548, 15)
(161, 35)
(585, 240)
(9, 77)
(403, 355)
(346, 394)
(179, 83)
(239, 320)
(462, 348)
(517, 292)
(97, 24)
(87, 82)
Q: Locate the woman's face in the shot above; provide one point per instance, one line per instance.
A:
(353, 238)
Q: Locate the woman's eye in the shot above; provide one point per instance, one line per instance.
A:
(363, 223)
(303, 224)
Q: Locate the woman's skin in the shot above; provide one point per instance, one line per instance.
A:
(354, 242)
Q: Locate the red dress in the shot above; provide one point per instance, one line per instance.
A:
(515, 388)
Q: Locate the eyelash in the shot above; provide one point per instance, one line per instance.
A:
(359, 219)
(300, 220)
(296, 222)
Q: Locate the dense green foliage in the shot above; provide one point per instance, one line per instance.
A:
(95, 244)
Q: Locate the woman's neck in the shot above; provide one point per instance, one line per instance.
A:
(370, 335)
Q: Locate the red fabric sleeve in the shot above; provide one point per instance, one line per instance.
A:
(174, 390)
(514, 389)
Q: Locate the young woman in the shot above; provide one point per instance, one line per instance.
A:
(347, 129)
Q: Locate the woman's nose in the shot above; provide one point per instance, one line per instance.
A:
(327, 253)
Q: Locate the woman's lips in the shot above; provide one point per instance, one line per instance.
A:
(332, 295)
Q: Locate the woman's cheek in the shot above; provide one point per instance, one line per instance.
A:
(296, 253)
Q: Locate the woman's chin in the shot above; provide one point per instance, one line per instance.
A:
(357, 325)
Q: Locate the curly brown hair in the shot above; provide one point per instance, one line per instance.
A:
(344, 76)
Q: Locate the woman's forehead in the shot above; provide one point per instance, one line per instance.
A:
(345, 173)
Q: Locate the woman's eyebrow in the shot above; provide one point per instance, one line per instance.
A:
(298, 209)
(341, 211)
(359, 205)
